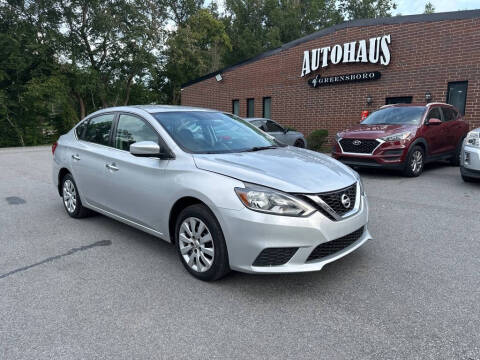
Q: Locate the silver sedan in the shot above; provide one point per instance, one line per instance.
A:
(470, 156)
(284, 135)
(227, 195)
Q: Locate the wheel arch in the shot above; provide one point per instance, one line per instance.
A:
(420, 142)
(177, 208)
(63, 171)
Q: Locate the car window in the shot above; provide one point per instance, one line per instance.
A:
(273, 126)
(260, 124)
(213, 132)
(434, 114)
(396, 115)
(449, 114)
(131, 129)
(98, 129)
(79, 130)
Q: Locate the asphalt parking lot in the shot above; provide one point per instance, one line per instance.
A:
(95, 288)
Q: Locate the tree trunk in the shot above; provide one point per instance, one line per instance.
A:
(81, 103)
(17, 130)
(129, 86)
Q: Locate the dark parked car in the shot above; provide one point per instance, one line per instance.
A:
(404, 137)
(280, 133)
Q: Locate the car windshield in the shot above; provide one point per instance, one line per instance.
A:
(203, 132)
(396, 116)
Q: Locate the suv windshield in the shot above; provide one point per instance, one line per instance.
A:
(396, 116)
(203, 132)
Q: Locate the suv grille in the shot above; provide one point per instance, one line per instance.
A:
(331, 247)
(364, 146)
(274, 256)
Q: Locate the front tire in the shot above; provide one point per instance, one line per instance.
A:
(71, 198)
(415, 162)
(200, 243)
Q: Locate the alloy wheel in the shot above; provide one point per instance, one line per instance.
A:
(196, 244)
(417, 162)
(69, 196)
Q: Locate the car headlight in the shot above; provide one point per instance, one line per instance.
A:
(270, 201)
(473, 139)
(360, 182)
(397, 137)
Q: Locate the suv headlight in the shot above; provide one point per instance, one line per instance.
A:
(397, 137)
(473, 139)
(271, 201)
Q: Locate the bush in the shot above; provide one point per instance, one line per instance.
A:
(317, 139)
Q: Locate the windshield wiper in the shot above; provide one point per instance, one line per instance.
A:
(259, 148)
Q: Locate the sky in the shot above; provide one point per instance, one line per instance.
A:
(409, 7)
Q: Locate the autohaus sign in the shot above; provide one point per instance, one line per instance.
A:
(374, 50)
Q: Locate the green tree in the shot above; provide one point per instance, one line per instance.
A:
(429, 8)
(194, 50)
(365, 9)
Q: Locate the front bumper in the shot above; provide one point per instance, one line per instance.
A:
(470, 161)
(389, 155)
(247, 233)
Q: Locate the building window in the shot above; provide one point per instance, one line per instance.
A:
(457, 95)
(236, 107)
(398, 100)
(250, 108)
(267, 107)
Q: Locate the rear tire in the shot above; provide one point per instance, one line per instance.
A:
(299, 143)
(415, 162)
(200, 243)
(71, 199)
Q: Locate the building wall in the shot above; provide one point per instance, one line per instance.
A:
(425, 56)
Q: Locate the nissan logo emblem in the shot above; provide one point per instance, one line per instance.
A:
(356, 142)
(345, 201)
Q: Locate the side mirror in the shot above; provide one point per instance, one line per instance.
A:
(434, 121)
(285, 131)
(148, 149)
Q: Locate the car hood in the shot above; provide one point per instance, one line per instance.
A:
(375, 131)
(288, 169)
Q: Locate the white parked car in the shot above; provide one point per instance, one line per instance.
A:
(470, 156)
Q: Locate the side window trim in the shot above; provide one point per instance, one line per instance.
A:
(161, 142)
(87, 121)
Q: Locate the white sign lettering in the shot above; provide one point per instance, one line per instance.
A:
(351, 52)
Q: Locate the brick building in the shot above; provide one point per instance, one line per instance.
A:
(325, 80)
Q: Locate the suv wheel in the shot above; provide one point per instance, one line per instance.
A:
(200, 243)
(415, 162)
(71, 198)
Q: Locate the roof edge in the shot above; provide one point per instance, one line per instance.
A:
(453, 15)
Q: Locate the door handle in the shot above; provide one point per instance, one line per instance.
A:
(76, 157)
(111, 167)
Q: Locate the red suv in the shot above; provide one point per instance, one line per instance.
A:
(403, 137)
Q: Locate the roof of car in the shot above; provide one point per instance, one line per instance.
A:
(167, 108)
(253, 119)
(415, 104)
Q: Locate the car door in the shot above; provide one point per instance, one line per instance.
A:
(435, 134)
(136, 184)
(453, 128)
(276, 131)
(89, 156)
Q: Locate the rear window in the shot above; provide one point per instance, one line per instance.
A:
(408, 115)
(98, 129)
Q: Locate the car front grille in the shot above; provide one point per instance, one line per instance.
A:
(358, 146)
(334, 246)
(330, 203)
(274, 256)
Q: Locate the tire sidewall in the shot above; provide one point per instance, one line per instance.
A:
(78, 207)
(220, 264)
(408, 169)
